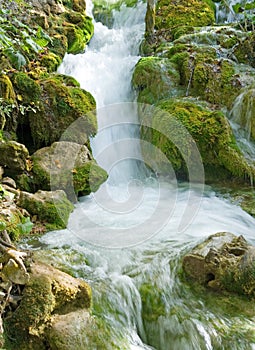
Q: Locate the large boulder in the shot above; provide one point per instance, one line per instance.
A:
(68, 166)
(223, 262)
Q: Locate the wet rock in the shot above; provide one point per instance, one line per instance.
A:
(51, 207)
(223, 262)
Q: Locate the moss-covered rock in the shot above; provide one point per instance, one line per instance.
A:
(78, 32)
(68, 166)
(156, 78)
(60, 106)
(153, 305)
(175, 125)
(48, 292)
(243, 112)
(52, 208)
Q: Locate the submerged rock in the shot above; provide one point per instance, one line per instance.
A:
(223, 262)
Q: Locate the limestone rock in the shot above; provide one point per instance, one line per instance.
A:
(223, 262)
(9, 181)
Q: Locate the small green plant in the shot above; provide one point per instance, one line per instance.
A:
(18, 42)
(25, 226)
(6, 109)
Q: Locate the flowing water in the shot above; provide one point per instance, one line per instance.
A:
(128, 239)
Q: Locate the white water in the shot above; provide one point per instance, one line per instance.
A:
(153, 220)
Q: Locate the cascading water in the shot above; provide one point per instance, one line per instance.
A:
(128, 238)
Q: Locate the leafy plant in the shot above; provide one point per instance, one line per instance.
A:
(25, 226)
(6, 109)
(18, 42)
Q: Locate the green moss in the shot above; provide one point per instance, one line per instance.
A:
(88, 178)
(6, 88)
(153, 305)
(28, 88)
(34, 309)
(211, 133)
(51, 61)
(52, 208)
(78, 32)
(155, 78)
(185, 12)
(60, 106)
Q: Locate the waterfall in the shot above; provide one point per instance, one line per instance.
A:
(127, 239)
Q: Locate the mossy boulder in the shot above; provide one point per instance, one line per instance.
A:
(176, 127)
(244, 50)
(153, 305)
(156, 78)
(203, 74)
(48, 293)
(51, 207)
(68, 166)
(223, 262)
(60, 106)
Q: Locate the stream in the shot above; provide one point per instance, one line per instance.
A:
(128, 238)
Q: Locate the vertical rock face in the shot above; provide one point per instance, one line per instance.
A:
(223, 262)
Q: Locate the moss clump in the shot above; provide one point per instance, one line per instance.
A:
(185, 12)
(28, 89)
(209, 130)
(78, 30)
(51, 61)
(6, 88)
(88, 178)
(155, 78)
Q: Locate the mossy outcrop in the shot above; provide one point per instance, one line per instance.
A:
(223, 262)
(60, 105)
(175, 125)
(156, 78)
